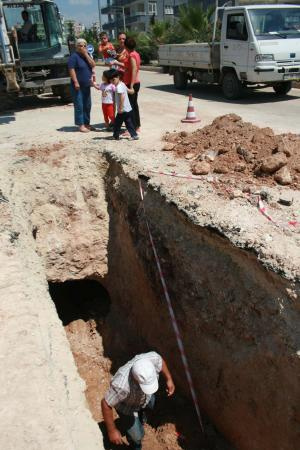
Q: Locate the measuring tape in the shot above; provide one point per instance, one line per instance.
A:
(172, 315)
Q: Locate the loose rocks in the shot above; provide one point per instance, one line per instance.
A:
(248, 157)
(286, 199)
(190, 155)
(169, 147)
(220, 167)
(241, 150)
(201, 168)
(273, 163)
(240, 167)
(283, 176)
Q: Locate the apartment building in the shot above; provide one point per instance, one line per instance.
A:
(137, 15)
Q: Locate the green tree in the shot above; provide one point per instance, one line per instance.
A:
(158, 34)
(90, 35)
(70, 30)
(196, 22)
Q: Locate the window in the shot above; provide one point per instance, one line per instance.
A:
(53, 25)
(152, 8)
(276, 23)
(169, 10)
(28, 21)
(140, 8)
(236, 27)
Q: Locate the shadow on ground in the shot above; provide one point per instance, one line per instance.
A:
(68, 129)
(214, 93)
(7, 118)
(32, 102)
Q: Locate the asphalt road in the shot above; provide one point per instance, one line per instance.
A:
(45, 119)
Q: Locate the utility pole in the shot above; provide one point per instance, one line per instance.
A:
(99, 12)
(124, 22)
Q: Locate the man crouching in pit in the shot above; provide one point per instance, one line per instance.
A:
(131, 391)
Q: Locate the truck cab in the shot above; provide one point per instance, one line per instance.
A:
(260, 44)
(36, 35)
(257, 46)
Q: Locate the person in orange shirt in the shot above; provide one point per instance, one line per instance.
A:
(106, 49)
(122, 54)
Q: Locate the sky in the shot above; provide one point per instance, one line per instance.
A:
(84, 11)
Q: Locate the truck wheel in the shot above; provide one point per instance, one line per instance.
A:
(64, 92)
(180, 80)
(231, 86)
(282, 88)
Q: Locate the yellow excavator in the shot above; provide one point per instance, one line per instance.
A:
(33, 54)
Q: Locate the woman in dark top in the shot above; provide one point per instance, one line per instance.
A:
(81, 69)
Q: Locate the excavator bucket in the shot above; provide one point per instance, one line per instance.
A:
(11, 80)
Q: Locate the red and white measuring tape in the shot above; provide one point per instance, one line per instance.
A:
(177, 175)
(263, 210)
(260, 205)
(172, 314)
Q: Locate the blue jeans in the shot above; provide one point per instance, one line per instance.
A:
(133, 429)
(82, 105)
(133, 426)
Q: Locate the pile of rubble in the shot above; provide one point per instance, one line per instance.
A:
(241, 150)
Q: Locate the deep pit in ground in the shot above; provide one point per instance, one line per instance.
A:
(235, 299)
(83, 306)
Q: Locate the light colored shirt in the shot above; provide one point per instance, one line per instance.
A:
(108, 90)
(125, 394)
(121, 90)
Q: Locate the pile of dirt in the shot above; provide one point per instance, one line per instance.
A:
(240, 149)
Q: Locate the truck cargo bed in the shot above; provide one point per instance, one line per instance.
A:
(195, 56)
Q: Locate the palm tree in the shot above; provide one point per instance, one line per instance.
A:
(159, 32)
(196, 22)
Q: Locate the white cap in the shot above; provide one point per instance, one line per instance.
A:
(143, 371)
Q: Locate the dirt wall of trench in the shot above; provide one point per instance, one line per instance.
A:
(239, 321)
(42, 396)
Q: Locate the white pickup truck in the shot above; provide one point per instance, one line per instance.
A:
(259, 46)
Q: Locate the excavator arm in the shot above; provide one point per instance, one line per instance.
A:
(7, 58)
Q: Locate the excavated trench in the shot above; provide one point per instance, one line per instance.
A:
(238, 319)
(83, 307)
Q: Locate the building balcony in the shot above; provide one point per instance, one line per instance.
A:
(123, 2)
(108, 26)
(106, 10)
(140, 17)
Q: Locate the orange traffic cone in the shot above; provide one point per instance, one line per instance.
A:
(190, 114)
